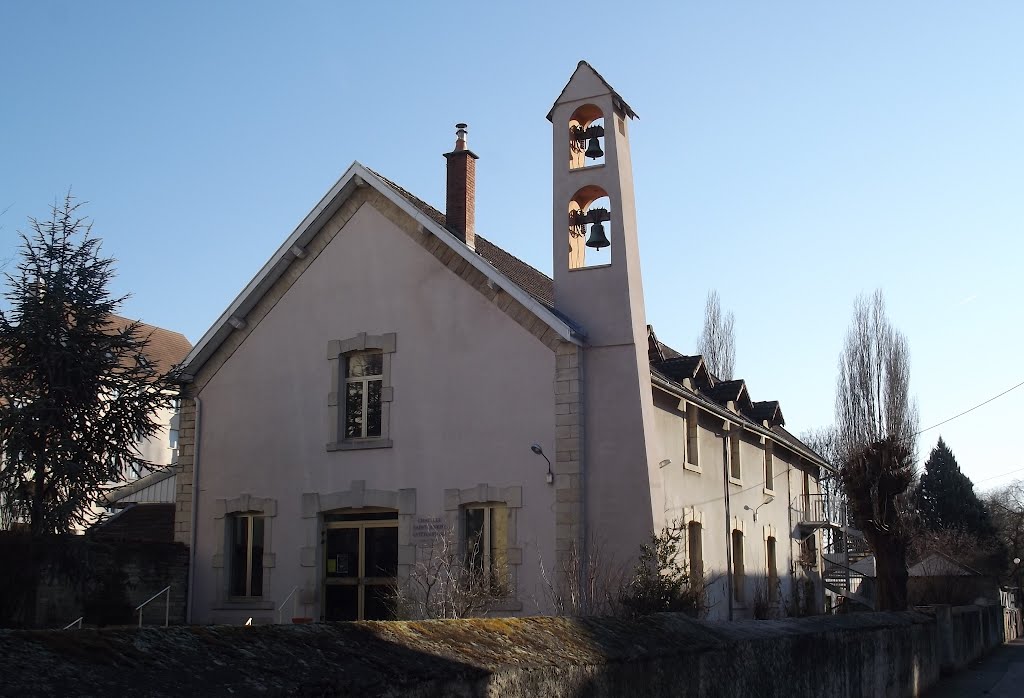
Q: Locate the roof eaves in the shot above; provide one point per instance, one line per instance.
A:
(357, 175)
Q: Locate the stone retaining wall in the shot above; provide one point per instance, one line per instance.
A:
(868, 654)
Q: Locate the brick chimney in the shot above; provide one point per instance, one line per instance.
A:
(460, 204)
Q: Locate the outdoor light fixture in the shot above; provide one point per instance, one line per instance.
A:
(667, 461)
(540, 452)
(768, 500)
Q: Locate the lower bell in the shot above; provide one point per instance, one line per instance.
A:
(597, 238)
(594, 149)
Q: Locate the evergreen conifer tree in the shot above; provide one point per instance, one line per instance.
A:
(945, 497)
(77, 393)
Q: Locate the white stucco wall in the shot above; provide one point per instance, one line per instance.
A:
(688, 495)
(472, 391)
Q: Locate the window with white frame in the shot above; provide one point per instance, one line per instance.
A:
(359, 403)
(773, 569)
(738, 569)
(695, 548)
(364, 381)
(769, 467)
(245, 561)
(692, 440)
(485, 539)
(735, 464)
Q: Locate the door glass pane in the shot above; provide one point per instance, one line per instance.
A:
(499, 538)
(239, 555)
(256, 587)
(379, 602)
(342, 557)
(381, 552)
(341, 602)
(354, 410)
(474, 538)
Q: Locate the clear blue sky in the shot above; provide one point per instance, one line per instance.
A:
(788, 154)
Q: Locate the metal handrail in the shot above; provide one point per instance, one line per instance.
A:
(294, 602)
(167, 606)
(74, 622)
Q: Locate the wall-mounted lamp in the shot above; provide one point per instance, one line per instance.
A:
(667, 461)
(768, 500)
(540, 452)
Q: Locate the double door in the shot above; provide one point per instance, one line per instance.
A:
(360, 566)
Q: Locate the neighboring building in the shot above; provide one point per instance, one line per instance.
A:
(386, 373)
(156, 485)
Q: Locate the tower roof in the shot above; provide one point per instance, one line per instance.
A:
(617, 99)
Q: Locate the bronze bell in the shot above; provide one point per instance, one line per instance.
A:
(594, 149)
(597, 238)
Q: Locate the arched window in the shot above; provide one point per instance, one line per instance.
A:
(590, 230)
(586, 137)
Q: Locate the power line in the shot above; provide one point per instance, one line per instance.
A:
(994, 477)
(971, 410)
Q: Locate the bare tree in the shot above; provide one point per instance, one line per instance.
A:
(1006, 505)
(717, 342)
(583, 587)
(876, 420)
(447, 581)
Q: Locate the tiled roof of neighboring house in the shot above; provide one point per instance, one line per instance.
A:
(166, 348)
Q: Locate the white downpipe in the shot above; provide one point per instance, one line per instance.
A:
(190, 593)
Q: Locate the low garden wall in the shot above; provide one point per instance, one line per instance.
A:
(867, 654)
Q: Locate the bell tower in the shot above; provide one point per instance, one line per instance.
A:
(598, 285)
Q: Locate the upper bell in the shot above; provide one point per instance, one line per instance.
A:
(597, 238)
(594, 149)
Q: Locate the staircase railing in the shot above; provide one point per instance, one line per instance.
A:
(295, 600)
(167, 606)
(77, 622)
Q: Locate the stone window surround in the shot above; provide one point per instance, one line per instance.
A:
(338, 348)
(456, 500)
(225, 509)
(315, 504)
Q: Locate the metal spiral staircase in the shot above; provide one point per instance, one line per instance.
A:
(847, 563)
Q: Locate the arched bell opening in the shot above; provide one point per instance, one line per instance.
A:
(590, 233)
(586, 137)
